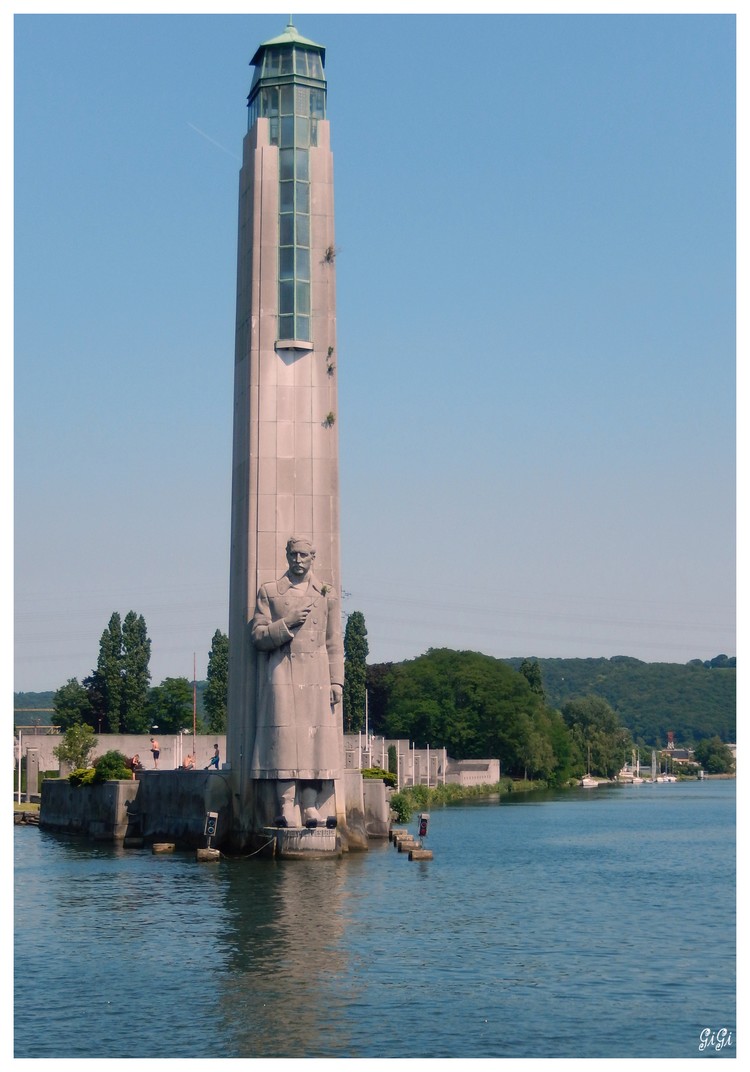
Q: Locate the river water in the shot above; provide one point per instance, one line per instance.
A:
(580, 924)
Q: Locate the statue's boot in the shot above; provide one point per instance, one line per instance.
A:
(310, 804)
(286, 802)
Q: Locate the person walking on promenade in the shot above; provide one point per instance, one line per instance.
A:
(214, 761)
(155, 751)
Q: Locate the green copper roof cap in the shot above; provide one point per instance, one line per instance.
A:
(290, 36)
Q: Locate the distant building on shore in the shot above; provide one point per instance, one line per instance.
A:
(417, 766)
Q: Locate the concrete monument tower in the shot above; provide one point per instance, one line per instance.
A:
(284, 738)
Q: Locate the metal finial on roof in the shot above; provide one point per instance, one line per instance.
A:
(290, 36)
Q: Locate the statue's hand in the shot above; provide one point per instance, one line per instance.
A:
(336, 694)
(296, 618)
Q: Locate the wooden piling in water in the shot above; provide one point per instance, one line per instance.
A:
(420, 854)
(207, 855)
(405, 844)
(162, 846)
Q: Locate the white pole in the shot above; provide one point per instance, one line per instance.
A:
(445, 760)
(20, 754)
(367, 723)
(428, 766)
(411, 746)
(195, 708)
(398, 767)
(359, 748)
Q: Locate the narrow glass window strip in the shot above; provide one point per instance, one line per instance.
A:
(302, 163)
(303, 132)
(302, 194)
(303, 299)
(286, 197)
(302, 100)
(286, 262)
(269, 101)
(303, 229)
(286, 296)
(298, 108)
(317, 104)
(286, 229)
(303, 263)
(287, 131)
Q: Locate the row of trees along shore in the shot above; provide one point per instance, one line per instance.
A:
(543, 718)
(479, 707)
(117, 696)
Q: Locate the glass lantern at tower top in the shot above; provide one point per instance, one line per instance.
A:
(287, 60)
(289, 90)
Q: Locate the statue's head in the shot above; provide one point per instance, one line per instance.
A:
(300, 554)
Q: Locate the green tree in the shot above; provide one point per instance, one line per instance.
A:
(473, 705)
(135, 674)
(714, 756)
(532, 672)
(76, 746)
(356, 650)
(170, 705)
(538, 747)
(112, 765)
(118, 688)
(217, 683)
(71, 705)
(596, 731)
(97, 696)
(106, 681)
(561, 744)
(379, 682)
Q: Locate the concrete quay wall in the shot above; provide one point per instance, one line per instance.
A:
(101, 812)
(171, 805)
(158, 806)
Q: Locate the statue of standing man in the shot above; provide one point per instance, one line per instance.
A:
(296, 630)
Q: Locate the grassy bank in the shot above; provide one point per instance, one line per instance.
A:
(420, 797)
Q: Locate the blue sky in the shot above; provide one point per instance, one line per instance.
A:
(536, 352)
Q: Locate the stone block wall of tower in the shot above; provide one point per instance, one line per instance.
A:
(285, 452)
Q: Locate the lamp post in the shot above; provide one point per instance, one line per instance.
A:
(20, 754)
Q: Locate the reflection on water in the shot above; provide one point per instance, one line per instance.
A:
(579, 924)
(282, 928)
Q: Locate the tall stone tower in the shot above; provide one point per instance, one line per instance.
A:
(285, 453)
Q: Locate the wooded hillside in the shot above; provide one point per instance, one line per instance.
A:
(692, 700)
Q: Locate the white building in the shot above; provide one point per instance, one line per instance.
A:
(418, 766)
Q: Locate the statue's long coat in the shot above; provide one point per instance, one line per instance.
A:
(298, 734)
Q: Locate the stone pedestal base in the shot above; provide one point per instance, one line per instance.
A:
(299, 843)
